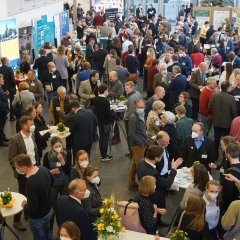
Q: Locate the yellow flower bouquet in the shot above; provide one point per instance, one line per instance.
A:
(108, 224)
(179, 235)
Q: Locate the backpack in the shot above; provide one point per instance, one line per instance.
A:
(128, 212)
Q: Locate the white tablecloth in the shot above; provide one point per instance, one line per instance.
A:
(130, 235)
(55, 132)
(7, 212)
(184, 178)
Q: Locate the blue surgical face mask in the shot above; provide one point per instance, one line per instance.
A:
(140, 112)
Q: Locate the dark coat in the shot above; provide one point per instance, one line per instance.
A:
(89, 53)
(83, 124)
(205, 154)
(99, 58)
(41, 64)
(236, 63)
(69, 209)
(50, 79)
(195, 83)
(9, 80)
(4, 109)
(177, 85)
(224, 109)
(183, 68)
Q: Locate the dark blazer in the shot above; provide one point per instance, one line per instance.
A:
(24, 67)
(183, 68)
(158, 197)
(132, 64)
(99, 58)
(41, 64)
(89, 53)
(17, 146)
(229, 47)
(236, 62)
(195, 82)
(93, 203)
(224, 109)
(83, 124)
(204, 154)
(182, 40)
(194, 28)
(9, 80)
(177, 85)
(48, 79)
(69, 209)
(4, 109)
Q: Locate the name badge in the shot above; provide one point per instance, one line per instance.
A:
(228, 47)
(183, 63)
(204, 156)
(58, 164)
(32, 84)
(53, 76)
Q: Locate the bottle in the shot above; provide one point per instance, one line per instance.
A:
(157, 236)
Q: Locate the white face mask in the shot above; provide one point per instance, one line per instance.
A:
(69, 49)
(164, 72)
(180, 55)
(84, 164)
(148, 53)
(32, 129)
(57, 149)
(194, 135)
(86, 194)
(65, 238)
(95, 180)
(213, 196)
(19, 172)
(53, 69)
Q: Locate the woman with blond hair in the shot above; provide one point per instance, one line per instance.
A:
(24, 97)
(24, 65)
(110, 62)
(193, 221)
(62, 64)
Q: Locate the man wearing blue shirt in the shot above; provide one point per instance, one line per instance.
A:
(185, 60)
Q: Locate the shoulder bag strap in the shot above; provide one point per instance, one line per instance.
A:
(180, 221)
(20, 100)
(129, 202)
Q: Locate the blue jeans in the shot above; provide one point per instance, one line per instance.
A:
(104, 133)
(41, 227)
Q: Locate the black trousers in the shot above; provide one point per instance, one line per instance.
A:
(195, 108)
(22, 180)
(11, 97)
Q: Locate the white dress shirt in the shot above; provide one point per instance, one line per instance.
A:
(165, 165)
(29, 144)
(78, 200)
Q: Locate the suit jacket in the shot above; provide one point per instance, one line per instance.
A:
(183, 69)
(236, 62)
(9, 80)
(69, 209)
(195, 83)
(182, 40)
(229, 47)
(82, 128)
(194, 28)
(84, 92)
(224, 109)
(99, 58)
(41, 64)
(17, 146)
(89, 53)
(204, 154)
(160, 80)
(177, 85)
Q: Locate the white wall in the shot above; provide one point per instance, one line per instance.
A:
(24, 18)
(85, 4)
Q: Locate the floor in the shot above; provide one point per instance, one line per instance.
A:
(114, 178)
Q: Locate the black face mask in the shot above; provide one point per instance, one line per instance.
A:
(69, 37)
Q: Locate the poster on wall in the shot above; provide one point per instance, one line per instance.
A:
(25, 41)
(64, 22)
(218, 17)
(236, 18)
(9, 40)
(202, 16)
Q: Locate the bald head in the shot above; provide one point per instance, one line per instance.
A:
(163, 139)
(203, 67)
(113, 76)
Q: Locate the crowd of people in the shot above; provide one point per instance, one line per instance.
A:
(189, 117)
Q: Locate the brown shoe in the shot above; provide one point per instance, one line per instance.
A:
(19, 226)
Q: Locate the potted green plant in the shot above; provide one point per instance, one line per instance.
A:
(61, 128)
(179, 235)
(17, 73)
(122, 98)
(6, 197)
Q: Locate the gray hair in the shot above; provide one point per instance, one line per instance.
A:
(214, 50)
(210, 80)
(159, 88)
(61, 89)
(170, 116)
(157, 105)
(177, 69)
(161, 65)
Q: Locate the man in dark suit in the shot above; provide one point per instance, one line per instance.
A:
(197, 82)
(4, 109)
(182, 38)
(83, 124)
(228, 43)
(69, 208)
(23, 142)
(194, 25)
(234, 59)
(176, 86)
(41, 63)
(90, 51)
(224, 111)
(147, 167)
(139, 10)
(9, 83)
(175, 62)
(197, 147)
(99, 58)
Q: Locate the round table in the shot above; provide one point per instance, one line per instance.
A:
(7, 212)
(55, 132)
